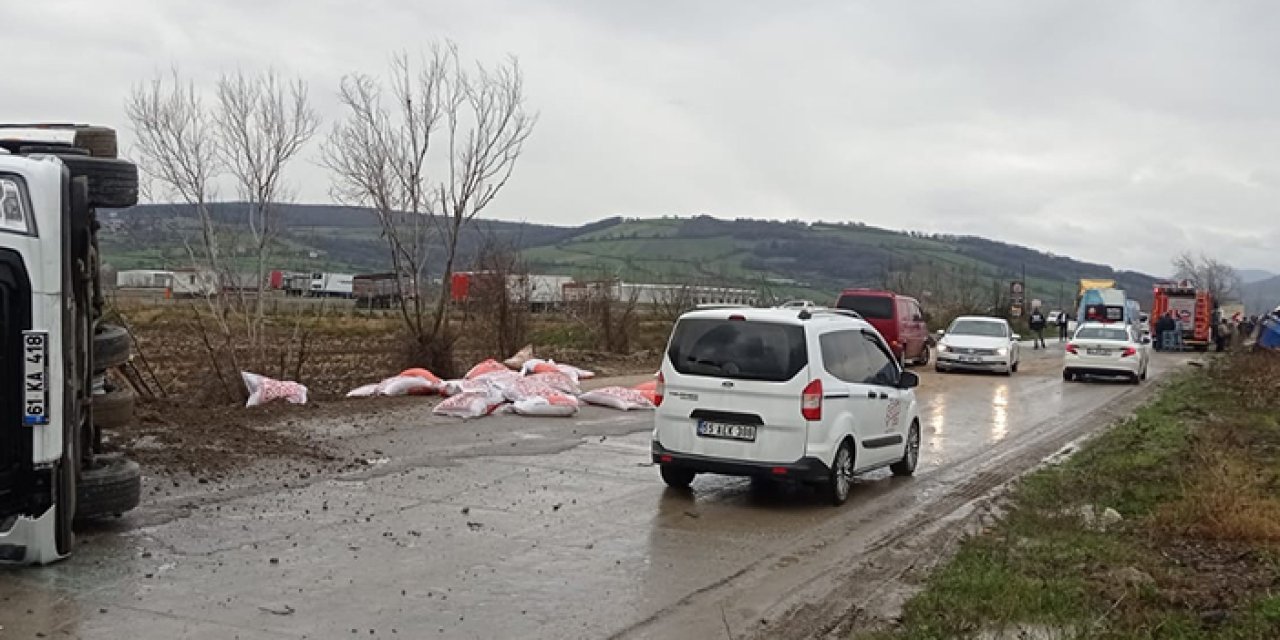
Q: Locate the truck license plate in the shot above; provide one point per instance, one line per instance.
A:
(35, 358)
(729, 431)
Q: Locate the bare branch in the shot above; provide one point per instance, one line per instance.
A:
(1219, 278)
(381, 152)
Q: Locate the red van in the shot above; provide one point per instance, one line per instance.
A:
(897, 318)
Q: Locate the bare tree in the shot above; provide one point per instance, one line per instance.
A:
(1219, 278)
(263, 123)
(175, 136)
(176, 140)
(256, 126)
(382, 157)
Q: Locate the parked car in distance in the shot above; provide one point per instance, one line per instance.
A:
(1052, 318)
(899, 320)
(798, 304)
(978, 343)
(1107, 349)
(810, 395)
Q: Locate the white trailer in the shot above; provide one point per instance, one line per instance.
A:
(180, 283)
(331, 285)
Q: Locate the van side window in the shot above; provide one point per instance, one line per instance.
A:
(916, 314)
(882, 370)
(842, 357)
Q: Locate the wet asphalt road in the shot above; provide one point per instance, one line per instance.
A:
(511, 527)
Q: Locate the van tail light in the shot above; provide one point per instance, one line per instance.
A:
(1072, 348)
(811, 401)
(1129, 351)
(659, 390)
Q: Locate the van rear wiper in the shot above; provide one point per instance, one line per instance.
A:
(706, 363)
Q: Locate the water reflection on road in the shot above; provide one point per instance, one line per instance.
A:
(1000, 412)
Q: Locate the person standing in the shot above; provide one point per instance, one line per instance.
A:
(1062, 326)
(1037, 327)
(1222, 337)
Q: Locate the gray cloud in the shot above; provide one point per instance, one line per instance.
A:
(1116, 132)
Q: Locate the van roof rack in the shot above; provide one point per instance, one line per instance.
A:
(720, 305)
(810, 312)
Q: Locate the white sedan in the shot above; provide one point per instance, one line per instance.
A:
(1107, 349)
(979, 343)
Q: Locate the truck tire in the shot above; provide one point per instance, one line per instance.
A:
(113, 183)
(111, 346)
(110, 487)
(100, 142)
(114, 409)
(55, 149)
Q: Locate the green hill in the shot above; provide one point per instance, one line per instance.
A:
(783, 259)
(817, 260)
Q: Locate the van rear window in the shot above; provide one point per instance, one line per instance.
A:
(870, 307)
(738, 349)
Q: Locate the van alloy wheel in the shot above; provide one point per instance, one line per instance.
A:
(910, 454)
(841, 474)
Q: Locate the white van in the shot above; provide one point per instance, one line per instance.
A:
(813, 395)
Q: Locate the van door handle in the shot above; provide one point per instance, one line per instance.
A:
(884, 396)
(871, 394)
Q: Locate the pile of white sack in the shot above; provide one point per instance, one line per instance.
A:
(522, 385)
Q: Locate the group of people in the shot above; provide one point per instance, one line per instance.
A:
(1239, 329)
(1228, 332)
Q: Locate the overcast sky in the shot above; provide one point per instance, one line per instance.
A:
(1119, 132)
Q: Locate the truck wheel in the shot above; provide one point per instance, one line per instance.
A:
(110, 487)
(113, 183)
(100, 142)
(111, 345)
(114, 409)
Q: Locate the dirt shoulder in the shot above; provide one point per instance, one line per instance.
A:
(212, 442)
(1167, 525)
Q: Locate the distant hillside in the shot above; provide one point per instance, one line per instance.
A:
(313, 237)
(1249, 276)
(787, 259)
(815, 260)
(1263, 295)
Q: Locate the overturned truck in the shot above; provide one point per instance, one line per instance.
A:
(55, 350)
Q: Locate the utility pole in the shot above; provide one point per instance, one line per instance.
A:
(1026, 288)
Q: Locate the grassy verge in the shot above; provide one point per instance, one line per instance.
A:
(1197, 554)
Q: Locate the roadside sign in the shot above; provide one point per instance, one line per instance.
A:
(1017, 298)
(1016, 311)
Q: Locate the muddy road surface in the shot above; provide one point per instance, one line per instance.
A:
(512, 527)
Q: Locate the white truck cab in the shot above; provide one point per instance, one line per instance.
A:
(52, 347)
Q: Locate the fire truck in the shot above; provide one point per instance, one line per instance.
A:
(1191, 307)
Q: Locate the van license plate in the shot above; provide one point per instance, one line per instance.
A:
(35, 358)
(974, 359)
(728, 431)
